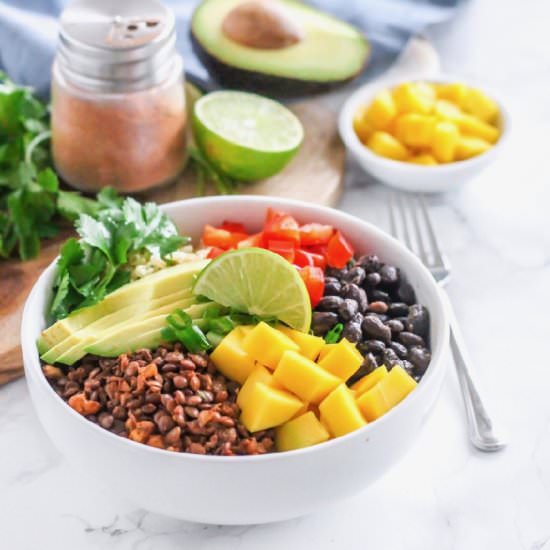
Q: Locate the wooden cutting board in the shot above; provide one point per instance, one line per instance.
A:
(314, 175)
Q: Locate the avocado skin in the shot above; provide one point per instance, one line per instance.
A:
(263, 83)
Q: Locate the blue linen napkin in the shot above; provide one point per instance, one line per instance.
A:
(28, 32)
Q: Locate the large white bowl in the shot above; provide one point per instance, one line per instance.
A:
(408, 176)
(244, 489)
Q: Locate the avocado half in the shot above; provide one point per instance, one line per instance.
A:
(276, 47)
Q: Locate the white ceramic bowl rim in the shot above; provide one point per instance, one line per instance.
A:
(441, 338)
(357, 99)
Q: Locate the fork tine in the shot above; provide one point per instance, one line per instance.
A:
(420, 241)
(404, 221)
(438, 256)
(393, 223)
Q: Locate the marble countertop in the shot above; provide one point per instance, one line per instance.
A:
(444, 495)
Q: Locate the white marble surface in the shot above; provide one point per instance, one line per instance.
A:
(443, 495)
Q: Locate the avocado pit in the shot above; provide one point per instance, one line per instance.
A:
(262, 25)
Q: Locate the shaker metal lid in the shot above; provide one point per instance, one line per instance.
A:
(117, 44)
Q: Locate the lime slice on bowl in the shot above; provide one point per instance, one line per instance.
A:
(258, 282)
(246, 136)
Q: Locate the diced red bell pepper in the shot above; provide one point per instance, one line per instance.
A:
(303, 258)
(314, 279)
(233, 227)
(283, 248)
(339, 251)
(256, 240)
(214, 252)
(281, 227)
(221, 238)
(315, 233)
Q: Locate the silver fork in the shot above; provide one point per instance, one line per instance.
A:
(410, 223)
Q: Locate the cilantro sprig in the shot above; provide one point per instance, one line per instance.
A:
(181, 329)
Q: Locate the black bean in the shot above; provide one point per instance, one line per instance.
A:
(409, 367)
(410, 339)
(347, 309)
(373, 279)
(398, 309)
(335, 272)
(333, 288)
(378, 307)
(370, 362)
(323, 321)
(390, 275)
(355, 275)
(331, 280)
(358, 318)
(375, 328)
(352, 332)
(375, 346)
(379, 296)
(406, 293)
(418, 320)
(370, 263)
(329, 303)
(356, 293)
(390, 358)
(395, 326)
(400, 349)
(420, 357)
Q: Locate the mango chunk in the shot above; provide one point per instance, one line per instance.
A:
(445, 110)
(387, 393)
(363, 128)
(472, 126)
(370, 380)
(310, 346)
(455, 92)
(414, 130)
(468, 147)
(427, 89)
(386, 145)
(424, 158)
(266, 407)
(302, 431)
(411, 98)
(340, 413)
(444, 141)
(303, 377)
(381, 111)
(267, 345)
(259, 374)
(325, 350)
(231, 359)
(343, 360)
(480, 105)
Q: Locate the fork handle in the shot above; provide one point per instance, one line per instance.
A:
(482, 431)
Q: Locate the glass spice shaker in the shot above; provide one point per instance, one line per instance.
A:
(118, 101)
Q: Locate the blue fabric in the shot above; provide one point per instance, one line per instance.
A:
(28, 30)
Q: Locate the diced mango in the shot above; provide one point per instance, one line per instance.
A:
(427, 89)
(423, 158)
(480, 105)
(472, 126)
(343, 360)
(381, 111)
(414, 130)
(310, 345)
(363, 128)
(259, 374)
(386, 145)
(468, 147)
(325, 350)
(455, 92)
(444, 141)
(231, 359)
(303, 377)
(445, 110)
(266, 407)
(267, 345)
(340, 413)
(370, 380)
(302, 431)
(387, 393)
(411, 98)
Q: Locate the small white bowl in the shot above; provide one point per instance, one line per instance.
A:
(408, 176)
(245, 489)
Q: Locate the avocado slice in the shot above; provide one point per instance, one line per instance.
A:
(73, 347)
(163, 282)
(276, 47)
(140, 334)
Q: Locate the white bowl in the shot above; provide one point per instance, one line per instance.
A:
(244, 489)
(408, 176)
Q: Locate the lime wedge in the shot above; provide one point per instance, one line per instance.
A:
(246, 136)
(258, 282)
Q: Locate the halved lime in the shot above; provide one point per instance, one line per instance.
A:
(259, 282)
(246, 136)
